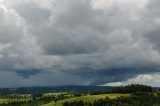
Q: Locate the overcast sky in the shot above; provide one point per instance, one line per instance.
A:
(79, 42)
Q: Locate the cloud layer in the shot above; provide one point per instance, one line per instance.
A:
(100, 41)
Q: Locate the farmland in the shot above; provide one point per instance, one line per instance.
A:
(131, 95)
(51, 98)
(89, 98)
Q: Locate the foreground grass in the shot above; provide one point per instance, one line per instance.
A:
(89, 98)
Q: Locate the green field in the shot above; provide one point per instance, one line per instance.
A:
(90, 98)
(34, 99)
(131, 95)
(54, 93)
(15, 98)
(11, 100)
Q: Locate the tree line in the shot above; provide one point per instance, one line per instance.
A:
(132, 88)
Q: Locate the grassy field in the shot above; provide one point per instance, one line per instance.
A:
(25, 98)
(11, 100)
(54, 94)
(87, 98)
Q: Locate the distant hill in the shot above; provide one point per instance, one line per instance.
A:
(67, 88)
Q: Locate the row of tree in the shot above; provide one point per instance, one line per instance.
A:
(133, 88)
(35, 100)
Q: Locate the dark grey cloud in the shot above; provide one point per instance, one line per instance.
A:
(27, 73)
(33, 13)
(99, 41)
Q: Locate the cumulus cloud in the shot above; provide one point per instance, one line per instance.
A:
(19, 48)
(98, 40)
(148, 79)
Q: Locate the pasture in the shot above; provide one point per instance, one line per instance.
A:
(89, 98)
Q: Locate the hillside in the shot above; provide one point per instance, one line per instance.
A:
(131, 95)
(89, 98)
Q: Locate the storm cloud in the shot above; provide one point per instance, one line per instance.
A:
(99, 41)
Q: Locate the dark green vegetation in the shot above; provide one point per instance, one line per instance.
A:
(131, 95)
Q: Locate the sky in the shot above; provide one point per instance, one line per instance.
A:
(79, 42)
